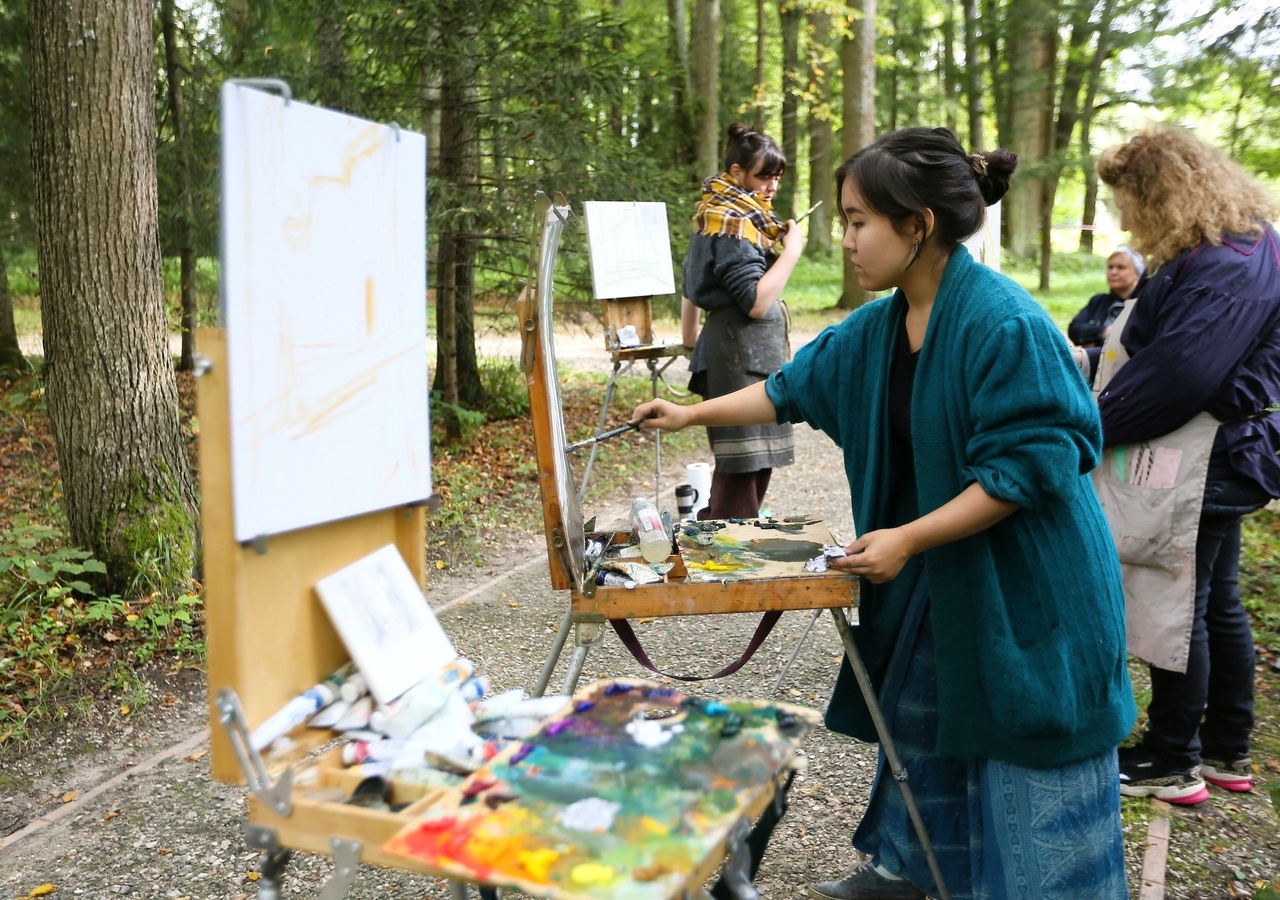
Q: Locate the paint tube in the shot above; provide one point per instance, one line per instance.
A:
(474, 688)
(357, 716)
(357, 753)
(408, 712)
(299, 709)
(354, 687)
(330, 715)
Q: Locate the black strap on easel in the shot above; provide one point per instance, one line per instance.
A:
(632, 643)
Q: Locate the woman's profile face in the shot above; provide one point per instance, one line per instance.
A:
(879, 252)
(1122, 277)
(756, 182)
(1123, 201)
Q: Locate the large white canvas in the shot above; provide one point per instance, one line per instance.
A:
(324, 304)
(629, 248)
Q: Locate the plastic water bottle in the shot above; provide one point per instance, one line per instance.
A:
(655, 543)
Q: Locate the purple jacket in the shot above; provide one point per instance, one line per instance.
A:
(1204, 335)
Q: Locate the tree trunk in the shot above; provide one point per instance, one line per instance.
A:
(186, 190)
(1101, 50)
(948, 78)
(683, 146)
(762, 77)
(821, 140)
(973, 74)
(1068, 114)
(334, 87)
(705, 68)
(1028, 66)
(11, 359)
(112, 396)
(790, 17)
(457, 368)
(858, 59)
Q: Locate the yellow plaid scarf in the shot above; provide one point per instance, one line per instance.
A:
(727, 209)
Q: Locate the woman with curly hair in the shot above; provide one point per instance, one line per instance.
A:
(991, 613)
(1188, 388)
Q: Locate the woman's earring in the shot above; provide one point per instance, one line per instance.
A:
(915, 251)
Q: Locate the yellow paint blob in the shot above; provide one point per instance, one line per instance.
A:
(591, 873)
(653, 826)
(537, 862)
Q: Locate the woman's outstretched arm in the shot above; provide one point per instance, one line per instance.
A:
(749, 406)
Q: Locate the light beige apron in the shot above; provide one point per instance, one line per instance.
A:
(1152, 493)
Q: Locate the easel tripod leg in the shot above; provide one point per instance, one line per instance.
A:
(553, 655)
(890, 751)
(588, 634)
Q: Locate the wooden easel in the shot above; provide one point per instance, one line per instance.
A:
(267, 635)
(591, 606)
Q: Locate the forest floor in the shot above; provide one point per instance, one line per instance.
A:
(111, 795)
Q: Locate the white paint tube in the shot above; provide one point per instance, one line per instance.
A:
(408, 712)
(299, 709)
(354, 688)
(357, 716)
(330, 715)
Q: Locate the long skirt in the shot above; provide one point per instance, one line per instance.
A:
(998, 830)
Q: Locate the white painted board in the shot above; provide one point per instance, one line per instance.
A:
(629, 248)
(324, 305)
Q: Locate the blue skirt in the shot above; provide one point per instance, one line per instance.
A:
(998, 830)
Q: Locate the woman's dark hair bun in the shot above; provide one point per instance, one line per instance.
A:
(994, 173)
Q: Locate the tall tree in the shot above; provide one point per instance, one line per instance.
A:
(821, 134)
(15, 168)
(705, 67)
(112, 396)
(682, 103)
(186, 215)
(1029, 54)
(972, 75)
(762, 76)
(791, 18)
(457, 368)
(11, 358)
(858, 59)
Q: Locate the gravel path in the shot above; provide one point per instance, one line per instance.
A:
(165, 829)
(109, 809)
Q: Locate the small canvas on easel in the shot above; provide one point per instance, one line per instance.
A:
(385, 622)
(629, 248)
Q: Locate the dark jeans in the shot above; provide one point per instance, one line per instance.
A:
(1209, 709)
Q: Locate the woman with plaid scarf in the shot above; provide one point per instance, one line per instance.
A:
(735, 272)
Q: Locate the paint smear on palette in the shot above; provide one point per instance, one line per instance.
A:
(742, 550)
(589, 813)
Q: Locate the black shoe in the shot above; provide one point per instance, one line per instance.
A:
(1142, 774)
(863, 882)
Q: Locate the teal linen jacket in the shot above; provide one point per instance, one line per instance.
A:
(1028, 615)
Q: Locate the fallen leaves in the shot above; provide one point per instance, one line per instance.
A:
(42, 890)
